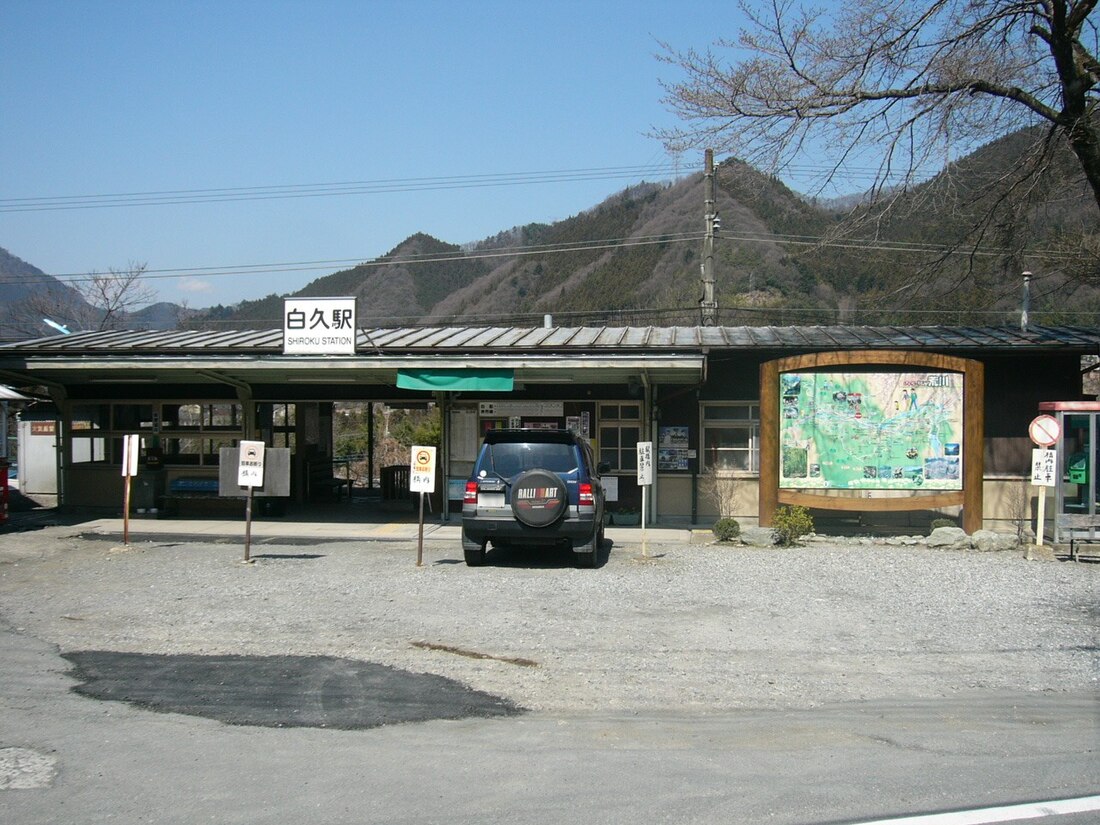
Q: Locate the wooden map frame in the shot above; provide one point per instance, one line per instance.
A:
(970, 497)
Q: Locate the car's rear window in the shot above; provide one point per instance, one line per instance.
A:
(509, 460)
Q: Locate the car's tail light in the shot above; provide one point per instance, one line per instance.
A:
(470, 497)
(586, 497)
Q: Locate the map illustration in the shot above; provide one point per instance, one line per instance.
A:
(875, 431)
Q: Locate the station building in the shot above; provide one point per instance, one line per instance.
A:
(716, 403)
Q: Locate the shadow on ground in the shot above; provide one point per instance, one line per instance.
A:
(540, 557)
(279, 691)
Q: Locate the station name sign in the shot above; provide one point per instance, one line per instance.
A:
(319, 326)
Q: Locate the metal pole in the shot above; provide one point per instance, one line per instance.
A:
(442, 469)
(126, 511)
(370, 447)
(248, 526)
(708, 304)
(1026, 303)
(420, 534)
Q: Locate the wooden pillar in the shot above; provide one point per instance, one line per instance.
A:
(769, 442)
(973, 446)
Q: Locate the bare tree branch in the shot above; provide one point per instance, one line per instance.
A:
(101, 300)
(116, 293)
(916, 84)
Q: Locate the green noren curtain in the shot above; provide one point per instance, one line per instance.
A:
(457, 379)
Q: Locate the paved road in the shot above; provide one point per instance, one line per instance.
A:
(75, 758)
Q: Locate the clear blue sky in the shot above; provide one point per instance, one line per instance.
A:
(105, 97)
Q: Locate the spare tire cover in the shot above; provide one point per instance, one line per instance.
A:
(539, 498)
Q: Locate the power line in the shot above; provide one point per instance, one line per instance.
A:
(661, 171)
(605, 244)
(423, 258)
(314, 190)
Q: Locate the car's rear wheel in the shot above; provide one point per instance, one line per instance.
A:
(588, 555)
(473, 551)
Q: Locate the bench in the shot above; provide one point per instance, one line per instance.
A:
(198, 495)
(322, 480)
(1082, 530)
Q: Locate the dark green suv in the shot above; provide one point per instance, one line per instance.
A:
(534, 487)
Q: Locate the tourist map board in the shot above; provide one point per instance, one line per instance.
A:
(878, 431)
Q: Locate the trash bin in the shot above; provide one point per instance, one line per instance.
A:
(143, 493)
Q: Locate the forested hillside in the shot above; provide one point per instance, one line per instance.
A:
(779, 258)
(953, 250)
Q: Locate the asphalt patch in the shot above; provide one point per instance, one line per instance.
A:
(279, 691)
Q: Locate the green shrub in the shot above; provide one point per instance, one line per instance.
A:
(791, 523)
(726, 529)
(941, 522)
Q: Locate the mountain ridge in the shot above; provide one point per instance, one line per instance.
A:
(635, 258)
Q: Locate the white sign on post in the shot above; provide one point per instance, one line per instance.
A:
(131, 448)
(1045, 431)
(319, 326)
(250, 467)
(645, 480)
(645, 463)
(1042, 467)
(422, 470)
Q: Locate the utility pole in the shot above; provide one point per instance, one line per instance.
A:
(708, 304)
(1026, 302)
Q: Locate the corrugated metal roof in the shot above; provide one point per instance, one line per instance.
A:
(565, 339)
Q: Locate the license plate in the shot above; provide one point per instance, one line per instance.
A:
(490, 500)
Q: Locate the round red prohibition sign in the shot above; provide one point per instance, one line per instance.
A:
(1044, 430)
(423, 458)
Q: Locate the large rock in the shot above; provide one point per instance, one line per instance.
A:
(954, 538)
(758, 536)
(989, 541)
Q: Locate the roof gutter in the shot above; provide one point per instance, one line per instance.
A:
(58, 392)
(244, 390)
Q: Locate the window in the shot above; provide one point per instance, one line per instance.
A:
(282, 425)
(731, 437)
(90, 422)
(205, 417)
(132, 418)
(187, 433)
(620, 429)
(194, 433)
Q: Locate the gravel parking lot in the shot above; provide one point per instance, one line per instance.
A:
(695, 628)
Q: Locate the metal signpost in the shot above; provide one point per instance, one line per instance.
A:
(422, 480)
(1044, 431)
(645, 479)
(131, 447)
(250, 474)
